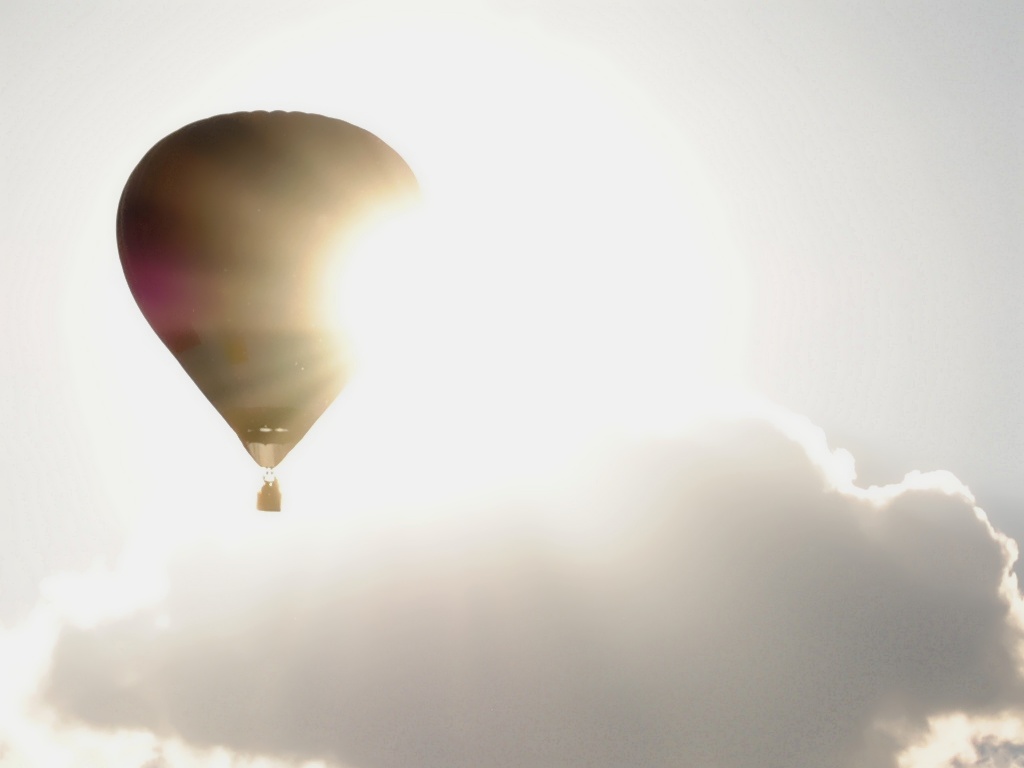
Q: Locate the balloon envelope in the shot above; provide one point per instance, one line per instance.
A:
(226, 230)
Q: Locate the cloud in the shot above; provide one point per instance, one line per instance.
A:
(958, 741)
(726, 598)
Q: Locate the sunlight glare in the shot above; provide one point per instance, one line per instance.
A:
(563, 274)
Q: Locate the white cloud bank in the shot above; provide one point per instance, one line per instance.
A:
(725, 599)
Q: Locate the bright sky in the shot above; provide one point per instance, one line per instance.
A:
(631, 208)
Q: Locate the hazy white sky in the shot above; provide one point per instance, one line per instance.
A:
(631, 206)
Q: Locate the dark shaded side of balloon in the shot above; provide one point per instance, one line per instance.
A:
(226, 230)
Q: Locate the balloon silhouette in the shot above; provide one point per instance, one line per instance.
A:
(226, 229)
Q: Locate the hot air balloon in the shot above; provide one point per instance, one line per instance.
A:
(226, 229)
